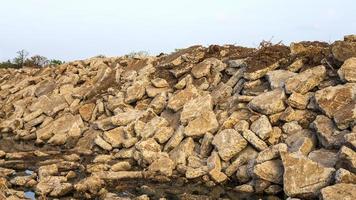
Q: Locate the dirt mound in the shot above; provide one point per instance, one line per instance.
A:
(211, 122)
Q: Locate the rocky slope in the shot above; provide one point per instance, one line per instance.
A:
(202, 123)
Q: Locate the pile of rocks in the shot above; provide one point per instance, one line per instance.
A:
(279, 121)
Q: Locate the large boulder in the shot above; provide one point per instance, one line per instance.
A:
(303, 178)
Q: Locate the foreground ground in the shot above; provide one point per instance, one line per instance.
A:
(222, 122)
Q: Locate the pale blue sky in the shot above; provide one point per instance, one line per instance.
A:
(76, 29)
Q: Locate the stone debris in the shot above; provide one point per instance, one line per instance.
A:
(277, 121)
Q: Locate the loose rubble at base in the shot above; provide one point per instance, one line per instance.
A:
(217, 122)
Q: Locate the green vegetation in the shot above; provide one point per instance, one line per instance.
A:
(22, 60)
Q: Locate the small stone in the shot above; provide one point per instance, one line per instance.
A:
(271, 170)
(121, 166)
(254, 140)
(269, 102)
(345, 176)
(306, 80)
(262, 127)
(242, 158)
(159, 83)
(163, 134)
(205, 123)
(339, 191)
(277, 78)
(135, 92)
(245, 188)
(102, 143)
(175, 140)
(185, 149)
(123, 119)
(347, 159)
(291, 127)
(206, 145)
(347, 71)
(299, 101)
(163, 166)
(115, 137)
(86, 111)
(178, 100)
(271, 152)
(327, 133)
(228, 143)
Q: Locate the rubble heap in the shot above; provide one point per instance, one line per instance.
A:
(277, 121)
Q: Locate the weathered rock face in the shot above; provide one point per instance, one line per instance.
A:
(304, 178)
(347, 71)
(269, 102)
(228, 143)
(305, 81)
(266, 121)
(339, 191)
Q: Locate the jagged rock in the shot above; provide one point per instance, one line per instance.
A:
(303, 178)
(114, 137)
(291, 127)
(339, 191)
(214, 168)
(91, 184)
(47, 170)
(206, 144)
(272, 152)
(306, 80)
(195, 107)
(331, 99)
(242, 158)
(325, 157)
(269, 102)
(347, 159)
(55, 186)
(277, 78)
(180, 153)
(102, 143)
(162, 165)
(345, 176)
(135, 92)
(343, 50)
(346, 116)
(299, 101)
(206, 122)
(86, 111)
(149, 150)
(178, 100)
(347, 71)
(271, 170)
(350, 139)
(175, 140)
(302, 141)
(262, 127)
(228, 143)
(254, 140)
(327, 133)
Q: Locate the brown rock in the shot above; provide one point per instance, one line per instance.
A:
(347, 71)
(343, 50)
(271, 170)
(228, 143)
(333, 98)
(269, 102)
(306, 80)
(302, 177)
(86, 111)
(177, 101)
(339, 191)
